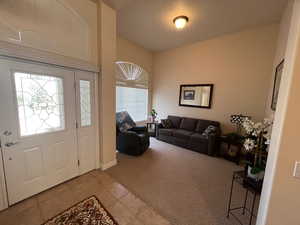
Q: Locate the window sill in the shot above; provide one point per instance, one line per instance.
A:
(141, 123)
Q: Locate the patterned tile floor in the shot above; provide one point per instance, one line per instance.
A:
(126, 208)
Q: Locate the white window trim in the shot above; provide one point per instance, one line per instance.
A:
(39, 56)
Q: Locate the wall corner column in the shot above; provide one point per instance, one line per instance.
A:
(107, 40)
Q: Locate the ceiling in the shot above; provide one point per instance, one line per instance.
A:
(149, 22)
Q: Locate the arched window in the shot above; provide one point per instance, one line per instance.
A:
(132, 90)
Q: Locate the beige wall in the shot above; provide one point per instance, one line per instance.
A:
(87, 9)
(285, 198)
(107, 57)
(280, 201)
(239, 65)
(131, 52)
(65, 27)
(280, 53)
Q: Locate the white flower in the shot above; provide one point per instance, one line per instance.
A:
(268, 142)
(268, 137)
(248, 125)
(258, 126)
(267, 122)
(249, 144)
(255, 133)
(255, 129)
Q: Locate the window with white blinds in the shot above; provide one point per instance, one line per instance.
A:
(134, 101)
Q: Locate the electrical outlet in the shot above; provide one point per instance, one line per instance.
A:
(297, 170)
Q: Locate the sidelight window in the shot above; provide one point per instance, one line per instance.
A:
(85, 103)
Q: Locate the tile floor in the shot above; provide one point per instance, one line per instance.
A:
(126, 208)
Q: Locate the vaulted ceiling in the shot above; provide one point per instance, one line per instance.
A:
(149, 22)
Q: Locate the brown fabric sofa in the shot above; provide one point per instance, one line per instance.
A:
(187, 133)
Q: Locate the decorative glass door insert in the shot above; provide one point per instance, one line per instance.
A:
(85, 103)
(40, 103)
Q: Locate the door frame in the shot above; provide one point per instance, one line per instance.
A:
(3, 187)
(3, 191)
(97, 121)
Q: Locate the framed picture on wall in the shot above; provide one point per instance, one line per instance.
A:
(277, 81)
(189, 94)
(196, 95)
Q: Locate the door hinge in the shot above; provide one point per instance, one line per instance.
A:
(78, 162)
(76, 124)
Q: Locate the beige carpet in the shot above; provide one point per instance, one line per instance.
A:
(186, 187)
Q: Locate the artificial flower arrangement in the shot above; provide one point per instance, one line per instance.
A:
(256, 142)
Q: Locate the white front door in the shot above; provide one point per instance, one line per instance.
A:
(3, 194)
(37, 127)
(86, 132)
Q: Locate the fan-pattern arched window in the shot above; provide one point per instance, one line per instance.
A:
(132, 90)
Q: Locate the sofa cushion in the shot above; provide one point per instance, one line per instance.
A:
(199, 138)
(165, 132)
(203, 124)
(183, 134)
(166, 123)
(188, 124)
(175, 121)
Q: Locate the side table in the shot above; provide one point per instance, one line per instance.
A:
(152, 128)
(250, 186)
(231, 147)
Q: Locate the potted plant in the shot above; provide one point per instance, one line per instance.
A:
(153, 115)
(256, 143)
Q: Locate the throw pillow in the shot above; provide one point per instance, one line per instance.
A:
(124, 121)
(210, 130)
(166, 123)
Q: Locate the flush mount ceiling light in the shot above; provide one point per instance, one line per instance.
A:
(180, 21)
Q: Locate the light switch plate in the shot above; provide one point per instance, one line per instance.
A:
(297, 170)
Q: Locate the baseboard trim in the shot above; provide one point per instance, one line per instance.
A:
(108, 165)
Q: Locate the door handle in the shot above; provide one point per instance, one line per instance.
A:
(9, 144)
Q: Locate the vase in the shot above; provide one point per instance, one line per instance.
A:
(255, 176)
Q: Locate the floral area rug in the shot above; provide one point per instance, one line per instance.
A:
(87, 212)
